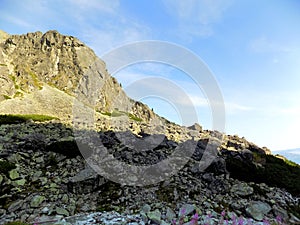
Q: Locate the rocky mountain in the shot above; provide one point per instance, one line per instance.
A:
(42, 72)
(46, 162)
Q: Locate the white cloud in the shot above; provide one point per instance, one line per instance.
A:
(195, 17)
(101, 5)
(266, 45)
(101, 24)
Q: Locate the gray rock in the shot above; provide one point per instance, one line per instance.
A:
(282, 213)
(186, 209)
(146, 208)
(241, 189)
(37, 201)
(86, 181)
(170, 215)
(20, 182)
(45, 210)
(62, 211)
(155, 216)
(196, 127)
(36, 175)
(257, 209)
(15, 206)
(294, 219)
(39, 160)
(14, 174)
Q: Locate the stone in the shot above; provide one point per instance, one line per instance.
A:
(45, 210)
(36, 175)
(146, 208)
(170, 215)
(293, 219)
(196, 127)
(282, 213)
(257, 210)
(1, 178)
(186, 209)
(86, 181)
(155, 216)
(65, 199)
(241, 189)
(15, 205)
(14, 174)
(39, 160)
(20, 182)
(62, 211)
(37, 201)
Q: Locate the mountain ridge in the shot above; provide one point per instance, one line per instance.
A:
(42, 170)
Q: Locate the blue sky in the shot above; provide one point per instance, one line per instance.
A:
(252, 47)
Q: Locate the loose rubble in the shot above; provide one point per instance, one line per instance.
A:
(46, 183)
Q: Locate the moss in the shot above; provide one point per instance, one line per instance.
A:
(6, 166)
(13, 78)
(117, 113)
(135, 118)
(6, 97)
(18, 94)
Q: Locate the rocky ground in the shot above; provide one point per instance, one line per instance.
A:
(43, 177)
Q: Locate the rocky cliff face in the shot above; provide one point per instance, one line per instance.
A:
(34, 61)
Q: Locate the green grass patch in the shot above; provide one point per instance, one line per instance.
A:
(133, 117)
(16, 118)
(18, 94)
(117, 113)
(6, 97)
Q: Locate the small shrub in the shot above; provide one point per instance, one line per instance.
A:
(274, 172)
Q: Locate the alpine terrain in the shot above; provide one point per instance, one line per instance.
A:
(61, 113)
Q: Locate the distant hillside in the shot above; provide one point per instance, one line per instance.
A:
(291, 154)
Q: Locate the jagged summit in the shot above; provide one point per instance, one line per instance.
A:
(37, 62)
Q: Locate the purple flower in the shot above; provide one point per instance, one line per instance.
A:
(240, 220)
(278, 219)
(266, 222)
(223, 213)
(194, 219)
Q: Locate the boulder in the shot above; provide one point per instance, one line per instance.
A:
(86, 181)
(257, 210)
(36, 201)
(241, 189)
(155, 216)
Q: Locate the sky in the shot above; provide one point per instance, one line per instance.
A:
(251, 47)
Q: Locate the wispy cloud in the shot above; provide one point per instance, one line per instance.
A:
(195, 17)
(101, 24)
(266, 45)
(99, 5)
